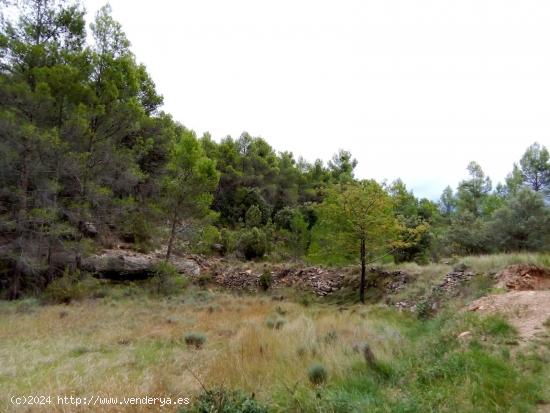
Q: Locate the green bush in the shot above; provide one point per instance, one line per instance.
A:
(203, 280)
(225, 401)
(317, 374)
(228, 241)
(252, 243)
(135, 228)
(423, 310)
(253, 217)
(265, 281)
(196, 340)
(72, 285)
(166, 280)
(209, 236)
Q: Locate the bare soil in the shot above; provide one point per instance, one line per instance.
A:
(526, 304)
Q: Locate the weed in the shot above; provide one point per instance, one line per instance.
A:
(317, 374)
(196, 340)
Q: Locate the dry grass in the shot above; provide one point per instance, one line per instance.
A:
(496, 262)
(135, 346)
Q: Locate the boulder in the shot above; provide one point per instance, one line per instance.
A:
(187, 266)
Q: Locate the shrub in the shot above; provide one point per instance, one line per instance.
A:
(225, 401)
(209, 236)
(252, 243)
(279, 310)
(368, 355)
(265, 281)
(135, 228)
(275, 324)
(203, 280)
(253, 217)
(166, 280)
(423, 310)
(72, 285)
(196, 340)
(331, 337)
(317, 374)
(228, 241)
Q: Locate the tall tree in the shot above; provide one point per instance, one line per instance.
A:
(473, 191)
(523, 224)
(192, 177)
(447, 202)
(356, 220)
(535, 166)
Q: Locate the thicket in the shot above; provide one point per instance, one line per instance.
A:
(89, 160)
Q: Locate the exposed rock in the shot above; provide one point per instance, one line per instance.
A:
(186, 266)
(461, 267)
(318, 280)
(88, 229)
(524, 277)
(453, 280)
(126, 264)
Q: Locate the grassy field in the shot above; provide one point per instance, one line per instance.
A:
(129, 343)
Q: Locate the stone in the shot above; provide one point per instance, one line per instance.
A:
(186, 266)
(464, 334)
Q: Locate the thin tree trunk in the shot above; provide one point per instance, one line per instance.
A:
(23, 187)
(172, 235)
(16, 282)
(363, 273)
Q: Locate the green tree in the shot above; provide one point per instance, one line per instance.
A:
(535, 167)
(188, 186)
(356, 220)
(472, 192)
(253, 217)
(523, 224)
(514, 181)
(447, 202)
(414, 217)
(341, 166)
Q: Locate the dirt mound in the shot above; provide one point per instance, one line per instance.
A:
(527, 306)
(524, 277)
(527, 311)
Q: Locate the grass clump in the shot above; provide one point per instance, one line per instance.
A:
(317, 374)
(275, 323)
(497, 326)
(195, 340)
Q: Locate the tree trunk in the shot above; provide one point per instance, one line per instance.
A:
(363, 273)
(15, 282)
(172, 235)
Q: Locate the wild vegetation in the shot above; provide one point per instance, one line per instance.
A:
(292, 356)
(89, 159)
(90, 163)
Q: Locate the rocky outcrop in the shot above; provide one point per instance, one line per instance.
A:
(524, 277)
(124, 264)
(453, 280)
(320, 281)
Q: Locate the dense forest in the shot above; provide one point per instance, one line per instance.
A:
(89, 160)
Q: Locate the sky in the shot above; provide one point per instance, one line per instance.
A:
(414, 89)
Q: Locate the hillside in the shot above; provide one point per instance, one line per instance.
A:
(122, 339)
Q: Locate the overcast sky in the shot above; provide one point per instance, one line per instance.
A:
(414, 89)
